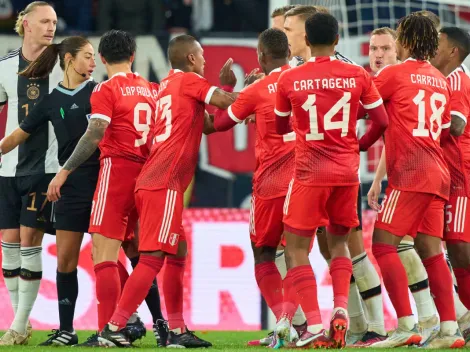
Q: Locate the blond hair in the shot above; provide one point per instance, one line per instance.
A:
(281, 11)
(305, 11)
(384, 31)
(28, 9)
(432, 16)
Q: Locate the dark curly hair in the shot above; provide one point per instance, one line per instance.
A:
(418, 34)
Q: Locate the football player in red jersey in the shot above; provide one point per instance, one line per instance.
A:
(324, 95)
(417, 97)
(122, 109)
(454, 47)
(159, 191)
(383, 52)
(274, 163)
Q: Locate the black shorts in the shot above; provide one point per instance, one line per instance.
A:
(72, 211)
(23, 202)
(359, 207)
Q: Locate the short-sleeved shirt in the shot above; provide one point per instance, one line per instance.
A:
(457, 149)
(69, 111)
(177, 133)
(127, 102)
(324, 96)
(274, 153)
(417, 99)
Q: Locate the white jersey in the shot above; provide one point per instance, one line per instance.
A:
(38, 155)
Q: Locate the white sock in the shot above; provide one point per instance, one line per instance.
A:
(407, 323)
(11, 264)
(417, 280)
(368, 283)
(29, 282)
(357, 318)
(460, 309)
(299, 316)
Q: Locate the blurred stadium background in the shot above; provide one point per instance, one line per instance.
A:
(221, 292)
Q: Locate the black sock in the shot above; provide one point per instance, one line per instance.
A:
(67, 293)
(153, 296)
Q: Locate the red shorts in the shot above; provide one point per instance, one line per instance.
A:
(114, 202)
(161, 220)
(456, 219)
(407, 213)
(309, 207)
(266, 225)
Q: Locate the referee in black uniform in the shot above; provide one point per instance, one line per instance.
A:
(67, 107)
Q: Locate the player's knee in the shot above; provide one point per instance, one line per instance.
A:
(459, 254)
(265, 254)
(10, 235)
(31, 237)
(66, 264)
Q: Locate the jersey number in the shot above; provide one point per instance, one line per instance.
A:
(436, 116)
(164, 112)
(328, 124)
(142, 127)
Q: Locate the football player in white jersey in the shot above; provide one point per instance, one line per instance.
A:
(26, 173)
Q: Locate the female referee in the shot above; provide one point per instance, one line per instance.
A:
(67, 108)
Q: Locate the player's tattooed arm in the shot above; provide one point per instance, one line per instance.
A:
(87, 144)
(457, 126)
(222, 99)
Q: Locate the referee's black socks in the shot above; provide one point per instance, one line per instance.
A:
(67, 293)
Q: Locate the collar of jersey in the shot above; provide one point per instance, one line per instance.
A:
(456, 70)
(412, 59)
(72, 92)
(280, 69)
(321, 58)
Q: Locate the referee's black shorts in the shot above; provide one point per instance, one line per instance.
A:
(72, 210)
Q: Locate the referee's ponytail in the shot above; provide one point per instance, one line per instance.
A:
(44, 64)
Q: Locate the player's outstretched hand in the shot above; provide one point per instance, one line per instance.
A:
(373, 195)
(53, 191)
(226, 75)
(253, 76)
(250, 119)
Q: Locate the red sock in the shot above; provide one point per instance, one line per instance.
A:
(305, 285)
(341, 271)
(290, 302)
(394, 277)
(108, 290)
(136, 288)
(173, 291)
(441, 286)
(270, 284)
(463, 281)
(123, 274)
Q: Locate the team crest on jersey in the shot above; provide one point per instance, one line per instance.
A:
(33, 91)
(88, 116)
(174, 238)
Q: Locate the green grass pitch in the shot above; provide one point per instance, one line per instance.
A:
(226, 341)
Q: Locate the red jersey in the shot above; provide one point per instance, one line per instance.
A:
(457, 149)
(274, 153)
(417, 99)
(177, 132)
(324, 95)
(127, 102)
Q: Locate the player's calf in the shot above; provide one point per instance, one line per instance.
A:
(459, 255)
